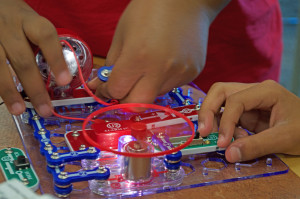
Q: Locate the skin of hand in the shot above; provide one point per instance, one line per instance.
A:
(158, 45)
(266, 109)
(21, 27)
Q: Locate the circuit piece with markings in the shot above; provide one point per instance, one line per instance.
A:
(15, 165)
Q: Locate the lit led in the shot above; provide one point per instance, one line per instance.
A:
(124, 140)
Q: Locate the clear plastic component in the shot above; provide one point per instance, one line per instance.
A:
(197, 169)
(269, 162)
(237, 166)
(118, 185)
(80, 52)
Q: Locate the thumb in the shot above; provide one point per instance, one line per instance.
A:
(272, 140)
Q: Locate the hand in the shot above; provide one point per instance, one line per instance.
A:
(20, 26)
(267, 109)
(158, 45)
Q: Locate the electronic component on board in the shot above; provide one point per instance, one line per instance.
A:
(119, 152)
(199, 163)
(15, 165)
(137, 169)
(21, 163)
(77, 54)
(104, 72)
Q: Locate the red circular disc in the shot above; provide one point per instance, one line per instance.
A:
(134, 105)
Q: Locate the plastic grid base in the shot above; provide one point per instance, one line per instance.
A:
(197, 170)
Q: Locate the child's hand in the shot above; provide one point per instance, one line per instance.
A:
(158, 45)
(20, 26)
(266, 108)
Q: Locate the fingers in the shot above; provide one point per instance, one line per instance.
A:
(144, 91)
(272, 140)
(116, 47)
(255, 120)
(260, 97)
(9, 93)
(112, 56)
(23, 63)
(94, 83)
(127, 77)
(264, 107)
(43, 34)
(240, 133)
(21, 25)
(216, 96)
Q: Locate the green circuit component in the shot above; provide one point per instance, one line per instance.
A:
(15, 165)
(210, 140)
(198, 145)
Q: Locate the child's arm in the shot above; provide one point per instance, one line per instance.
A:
(267, 109)
(158, 45)
(19, 26)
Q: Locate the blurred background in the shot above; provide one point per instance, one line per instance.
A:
(290, 68)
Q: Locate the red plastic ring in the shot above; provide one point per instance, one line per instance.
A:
(134, 105)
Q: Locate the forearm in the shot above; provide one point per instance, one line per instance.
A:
(164, 42)
(188, 21)
(186, 9)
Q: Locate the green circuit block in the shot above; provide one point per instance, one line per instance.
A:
(199, 145)
(210, 140)
(15, 165)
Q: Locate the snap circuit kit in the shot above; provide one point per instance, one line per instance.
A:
(95, 149)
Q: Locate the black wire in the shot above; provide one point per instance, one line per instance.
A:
(1, 103)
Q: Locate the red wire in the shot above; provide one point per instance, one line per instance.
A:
(84, 84)
(122, 106)
(82, 79)
(133, 105)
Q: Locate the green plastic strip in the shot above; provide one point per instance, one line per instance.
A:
(26, 175)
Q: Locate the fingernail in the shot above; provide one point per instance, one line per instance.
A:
(16, 108)
(235, 154)
(201, 125)
(93, 83)
(64, 78)
(240, 136)
(44, 110)
(221, 139)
